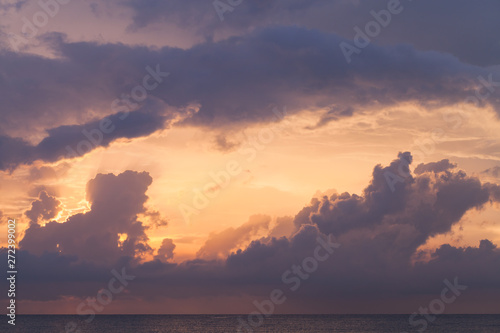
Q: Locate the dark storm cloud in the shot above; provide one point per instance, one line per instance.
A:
(379, 233)
(83, 79)
(59, 90)
(14, 151)
(463, 28)
(306, 69)
(288, 66)
(95, 236)
(78, 140)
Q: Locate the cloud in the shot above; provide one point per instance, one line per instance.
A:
(436, 167)
(380, 257)
(283, 227)
(46, 207)
(47, 172)
(212, 85)
(223, 144)
(415, 25)
(78, 140)
(166, 250)
(418, 208)
(494, 190)
(494, 171)
(156, 219)
(220, 244)
(332, 115)
(7, 5)
(95, 236)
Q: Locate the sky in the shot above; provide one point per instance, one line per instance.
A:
(344, 152)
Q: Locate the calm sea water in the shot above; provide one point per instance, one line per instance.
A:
(229, 323)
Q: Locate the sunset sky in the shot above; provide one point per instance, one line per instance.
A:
(205, 146)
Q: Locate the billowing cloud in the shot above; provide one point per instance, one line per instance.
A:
(96, 235)
(75, 88)
(46, 207)
(398, 209)
(376, 249)
(166, 250)
(213, 85)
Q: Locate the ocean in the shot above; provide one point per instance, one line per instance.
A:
(230, 323)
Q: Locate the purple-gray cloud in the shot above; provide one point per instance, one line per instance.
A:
(379, 231)
(95, 236)
(46, 207)
(434, 167)
(289, 66)
(464, 29)
(166, 250)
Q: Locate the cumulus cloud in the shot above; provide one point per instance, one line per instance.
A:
(166, 250)
(380, 233)
(95, 236)
(409, 212)
(46, 207)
